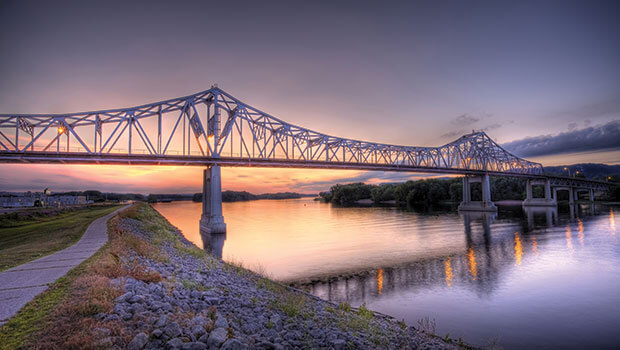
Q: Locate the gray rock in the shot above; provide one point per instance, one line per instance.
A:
(217, 337)
(175, 343)
(172, 330)
(212, 300)
(157, 333)
(276, 321)
(137, 299)
(136, 308)
(163, 320)
(220, 321)
(198, 331)
(250, 328)
(138, 342)
(113, 317)
(195, 346)
(338, 344)
(123, 297)
(203, 338)
(233, 344)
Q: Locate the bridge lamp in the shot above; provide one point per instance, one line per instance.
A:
(61, 130)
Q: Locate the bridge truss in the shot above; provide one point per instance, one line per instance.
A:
(214, 127)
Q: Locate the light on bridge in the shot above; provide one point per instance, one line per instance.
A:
(61, 130)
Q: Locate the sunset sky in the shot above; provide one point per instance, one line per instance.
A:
(540, 77)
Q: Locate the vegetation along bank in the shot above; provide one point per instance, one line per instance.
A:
(149, 287)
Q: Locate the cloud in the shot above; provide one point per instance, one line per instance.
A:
(464, 119)
(453, 134)
(467, 123)
(594, 138)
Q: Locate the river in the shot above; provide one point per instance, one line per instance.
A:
(536, 279)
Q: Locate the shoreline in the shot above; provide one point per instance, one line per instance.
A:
(150, 288)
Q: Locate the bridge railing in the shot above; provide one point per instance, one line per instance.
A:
(214, 124)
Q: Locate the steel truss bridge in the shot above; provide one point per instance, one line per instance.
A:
(213, 128)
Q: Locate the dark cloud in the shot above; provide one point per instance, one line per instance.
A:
(464, 119)
(572, 126)
(453, 134)
(467, 123)
(595, 138)
(492, 127)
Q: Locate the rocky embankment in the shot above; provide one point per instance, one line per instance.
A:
(201, 302)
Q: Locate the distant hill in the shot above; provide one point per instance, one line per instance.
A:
(589, 170)
(239, 196)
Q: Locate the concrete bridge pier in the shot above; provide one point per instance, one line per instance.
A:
(485, 204)
(547, 201)
(212, 220)
(571, 198)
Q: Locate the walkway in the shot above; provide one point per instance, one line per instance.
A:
(21, 284)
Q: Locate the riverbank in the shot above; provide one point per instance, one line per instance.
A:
(151, 288)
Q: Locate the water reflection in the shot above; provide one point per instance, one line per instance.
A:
(525, 276)
(518, 249)
(491, 250)
(448, 272)
(612, 222)
(213, 242)
(379, 280)
(550, 215)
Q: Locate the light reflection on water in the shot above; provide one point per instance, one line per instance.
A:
(516, 277)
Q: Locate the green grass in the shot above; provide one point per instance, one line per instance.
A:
(19, 329)
(26, 239)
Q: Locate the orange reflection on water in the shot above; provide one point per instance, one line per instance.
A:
(580, 234)
(569, 239)
(471, 255)
(379, 280)
(448, 268)
(535, 245)
(518, 249)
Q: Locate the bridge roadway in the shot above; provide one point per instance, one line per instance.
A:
(189, 131)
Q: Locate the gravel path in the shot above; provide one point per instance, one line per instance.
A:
(20, 284)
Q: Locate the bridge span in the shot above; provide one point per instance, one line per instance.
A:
(212, 128)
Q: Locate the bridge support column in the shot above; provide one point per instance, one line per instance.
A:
(547, 201)
(485, 204)
(212, 220)
(591, 197)
(466, 190)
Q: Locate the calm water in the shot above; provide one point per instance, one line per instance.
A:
(538, 279)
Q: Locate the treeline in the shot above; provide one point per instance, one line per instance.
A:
(98, 196)
(240, 196)
(153, 198)
(428, 191)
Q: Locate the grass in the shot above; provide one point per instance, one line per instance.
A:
(70, 303)
(193, 285)
(24, 238)
(292, 304)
